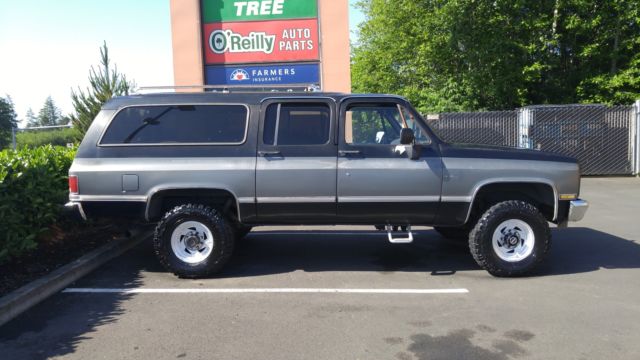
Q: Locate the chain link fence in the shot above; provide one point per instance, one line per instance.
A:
(490, 127)
(604, 139)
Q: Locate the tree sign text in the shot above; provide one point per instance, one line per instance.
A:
(255, 10)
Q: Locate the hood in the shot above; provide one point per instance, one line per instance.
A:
(500, 152)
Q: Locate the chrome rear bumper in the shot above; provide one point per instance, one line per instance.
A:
(76, 208)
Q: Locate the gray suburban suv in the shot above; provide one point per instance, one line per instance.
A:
(207, 167)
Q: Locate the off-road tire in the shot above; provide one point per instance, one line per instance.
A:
(481, 237)
(457, 233)
(223, 240)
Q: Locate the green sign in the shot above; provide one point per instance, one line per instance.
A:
(248, 10)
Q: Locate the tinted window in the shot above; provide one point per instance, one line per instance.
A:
(178, 124)
(296, 124)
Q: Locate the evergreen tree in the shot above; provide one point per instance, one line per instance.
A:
(50, 114)
(105, 82)
(31, 118)
(8, 121)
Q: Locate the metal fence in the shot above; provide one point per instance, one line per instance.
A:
(604, 139)
(490, 127)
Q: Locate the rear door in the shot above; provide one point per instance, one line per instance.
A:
(377, 182)
(296, 165)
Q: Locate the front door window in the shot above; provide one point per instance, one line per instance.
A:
(370, 124)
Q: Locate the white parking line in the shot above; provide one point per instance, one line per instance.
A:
(262, 290)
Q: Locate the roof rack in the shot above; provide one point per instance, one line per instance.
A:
(230, 88)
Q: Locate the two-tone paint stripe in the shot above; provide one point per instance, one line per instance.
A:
(339, 199)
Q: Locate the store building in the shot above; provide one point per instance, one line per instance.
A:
(261, 43)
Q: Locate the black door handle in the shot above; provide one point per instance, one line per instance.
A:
(349, 152)
(270, 153)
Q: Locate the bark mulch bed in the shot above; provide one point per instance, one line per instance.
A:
(60, 245)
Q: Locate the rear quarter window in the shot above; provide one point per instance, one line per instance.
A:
(178, 124)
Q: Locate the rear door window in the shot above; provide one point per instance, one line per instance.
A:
(178, 124)
(297, 124)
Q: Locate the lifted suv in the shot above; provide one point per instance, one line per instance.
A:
(207, 167)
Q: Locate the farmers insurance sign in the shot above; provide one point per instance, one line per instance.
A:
(237, 32)
(262, 74)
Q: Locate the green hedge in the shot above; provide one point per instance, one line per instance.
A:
(35, 138)
(33, 188)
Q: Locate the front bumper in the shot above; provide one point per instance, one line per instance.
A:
(577, 209)
(76, 209)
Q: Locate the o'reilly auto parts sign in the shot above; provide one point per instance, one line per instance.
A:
(262, 41)
(244, 38)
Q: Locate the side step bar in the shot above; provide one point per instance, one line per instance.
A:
(399, 240)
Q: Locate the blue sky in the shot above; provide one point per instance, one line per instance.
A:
(47, 47)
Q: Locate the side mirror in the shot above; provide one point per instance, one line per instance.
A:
(406, 136)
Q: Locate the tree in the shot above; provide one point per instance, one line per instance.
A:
(105, 82)
(31, 118)
(490, 55)
(64, 120)
(7, 120)
(49, 114)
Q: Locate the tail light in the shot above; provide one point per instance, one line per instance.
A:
(73, 184)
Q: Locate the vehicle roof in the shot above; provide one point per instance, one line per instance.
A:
(219, 97)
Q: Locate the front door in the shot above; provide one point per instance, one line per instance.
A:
(296, 165)
(377, 181)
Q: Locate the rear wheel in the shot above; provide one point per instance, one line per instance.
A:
(510, 239)
(193, 241)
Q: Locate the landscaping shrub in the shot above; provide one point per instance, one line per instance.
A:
(35, 138)
(33, 189)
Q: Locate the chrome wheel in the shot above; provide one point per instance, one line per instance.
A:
(513, 240)
(191, 242)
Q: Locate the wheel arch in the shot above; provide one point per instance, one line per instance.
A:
(542, 191)
(217, 197)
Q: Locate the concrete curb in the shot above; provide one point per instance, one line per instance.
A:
(21, 299)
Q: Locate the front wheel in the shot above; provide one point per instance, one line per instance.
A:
(193, 241)
(510, 239)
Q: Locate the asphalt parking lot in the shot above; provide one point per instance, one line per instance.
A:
(436, 304)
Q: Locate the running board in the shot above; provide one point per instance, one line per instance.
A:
(399, 240)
